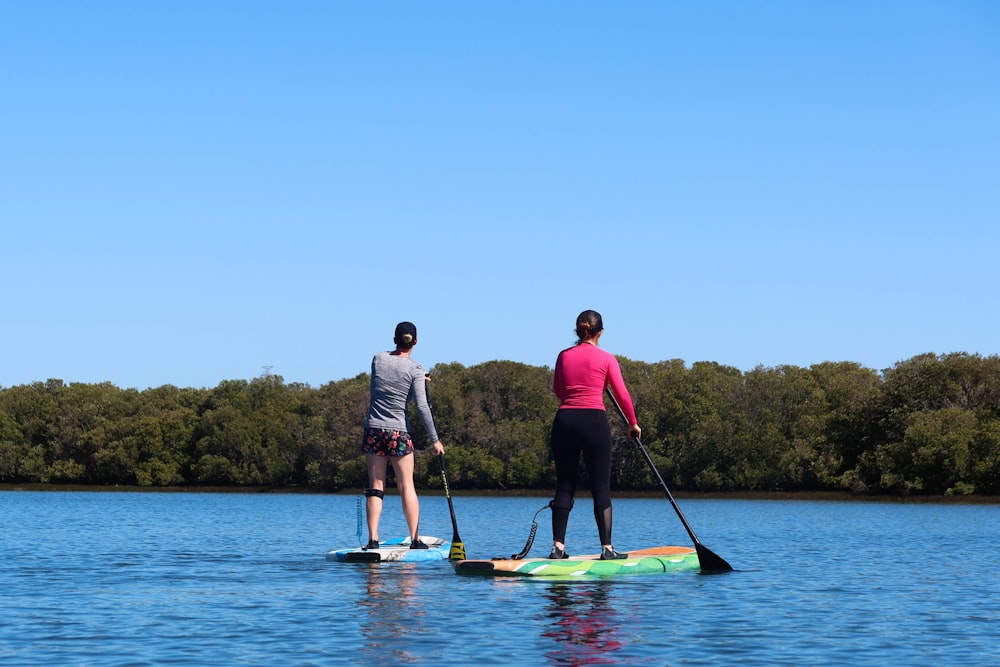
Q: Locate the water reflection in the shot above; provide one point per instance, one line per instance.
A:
(395, 612)
(584, 624)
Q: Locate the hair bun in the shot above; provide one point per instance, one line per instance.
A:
(589, 324)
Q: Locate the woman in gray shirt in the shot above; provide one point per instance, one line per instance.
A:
(396, 379)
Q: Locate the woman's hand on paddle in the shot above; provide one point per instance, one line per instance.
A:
(438, 448)
(635, 431)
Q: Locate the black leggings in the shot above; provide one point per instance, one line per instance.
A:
(576, 432)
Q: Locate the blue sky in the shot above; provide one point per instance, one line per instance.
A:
(194, 192)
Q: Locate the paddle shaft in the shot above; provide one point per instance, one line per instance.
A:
(710, 562)
(457, 550)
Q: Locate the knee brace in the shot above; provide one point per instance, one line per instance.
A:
(374, 492)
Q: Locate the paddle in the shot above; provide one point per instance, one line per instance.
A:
(709, 560)
(457, 551)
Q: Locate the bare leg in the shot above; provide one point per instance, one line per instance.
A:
(403, 466)
(376, 480)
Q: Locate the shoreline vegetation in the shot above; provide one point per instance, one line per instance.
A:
(814, 496)
(927, 427)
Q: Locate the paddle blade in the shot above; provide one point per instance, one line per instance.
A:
(711, 562)
(457, 551)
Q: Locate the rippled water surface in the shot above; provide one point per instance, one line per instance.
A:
(112, 578)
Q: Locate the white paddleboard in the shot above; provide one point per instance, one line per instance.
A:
(394, 550)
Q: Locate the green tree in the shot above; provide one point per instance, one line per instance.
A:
(709, 441)
(853, 396)
(984, 452)
(934, 453)
(332, 433)
(228, 432)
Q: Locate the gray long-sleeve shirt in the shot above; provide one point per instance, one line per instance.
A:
(396, 380)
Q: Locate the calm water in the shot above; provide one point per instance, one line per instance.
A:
(196, 579)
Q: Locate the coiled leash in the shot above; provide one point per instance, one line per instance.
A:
(360, 496)
(531, 534)
(366, 495)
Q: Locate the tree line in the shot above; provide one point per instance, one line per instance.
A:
(928, 425)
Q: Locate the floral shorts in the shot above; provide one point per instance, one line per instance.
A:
(386, 442)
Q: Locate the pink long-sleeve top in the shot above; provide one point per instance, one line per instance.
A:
(581, 375)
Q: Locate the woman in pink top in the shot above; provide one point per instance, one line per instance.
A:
(581, 428)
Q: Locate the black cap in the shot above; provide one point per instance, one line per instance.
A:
(402, 330)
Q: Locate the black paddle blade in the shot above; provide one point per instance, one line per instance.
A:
(711, 562)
